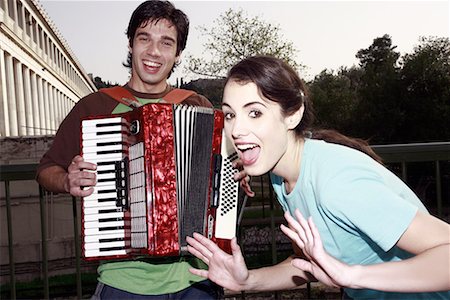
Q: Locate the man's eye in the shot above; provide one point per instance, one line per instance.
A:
(254, 114)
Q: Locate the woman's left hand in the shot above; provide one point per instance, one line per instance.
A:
(319, 263)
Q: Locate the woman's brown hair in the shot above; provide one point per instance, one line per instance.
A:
(280, 83)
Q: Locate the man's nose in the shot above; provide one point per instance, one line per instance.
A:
(153, 49)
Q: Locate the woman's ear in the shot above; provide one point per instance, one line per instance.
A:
(294, 119)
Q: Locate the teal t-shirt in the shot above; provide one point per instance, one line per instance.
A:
(146, 275)
(361, 209)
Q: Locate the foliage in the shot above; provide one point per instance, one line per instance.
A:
(335, 98)
(388, 98)
(378, 110)
(210, 88)
(425, 79)
(236, 36)
(99, 83)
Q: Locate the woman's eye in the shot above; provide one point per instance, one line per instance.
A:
(254, 114)
(228, 116)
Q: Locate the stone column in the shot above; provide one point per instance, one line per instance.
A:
(11, 96)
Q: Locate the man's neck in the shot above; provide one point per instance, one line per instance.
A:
(142, 87)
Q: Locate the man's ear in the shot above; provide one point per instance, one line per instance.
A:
(178, 59)
(294, 119)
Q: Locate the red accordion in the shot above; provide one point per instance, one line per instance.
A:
(163, 172)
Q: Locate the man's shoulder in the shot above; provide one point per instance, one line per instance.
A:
(96, 103)
(199, 100)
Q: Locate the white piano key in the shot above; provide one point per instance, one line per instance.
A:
(106, 187)
(106, 167)
(111, 195)
(95, 122)
(96, 218)
(98, 210)
(95, 246)
(97, 149)
(98, 237)
(109, 175)
(111, 128)
(104, 224)
(103, 157)
(96, 203)
(105, 137)
(98, 253)
(113, 138)
(96, 231)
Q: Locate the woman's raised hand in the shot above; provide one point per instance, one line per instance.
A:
(228, 271)
(319, 263)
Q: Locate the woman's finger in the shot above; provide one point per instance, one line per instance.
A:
(295, 225)
(305, 226)
(292, 235)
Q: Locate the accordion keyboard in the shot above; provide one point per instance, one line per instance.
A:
(104, 142)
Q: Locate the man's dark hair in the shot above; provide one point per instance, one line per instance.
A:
(154, 11)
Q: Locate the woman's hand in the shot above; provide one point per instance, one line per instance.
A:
(319, 263)
(228, 271)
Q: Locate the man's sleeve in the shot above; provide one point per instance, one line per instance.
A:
(66, 143)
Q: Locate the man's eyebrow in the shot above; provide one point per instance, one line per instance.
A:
(139, 33)
(166, 37)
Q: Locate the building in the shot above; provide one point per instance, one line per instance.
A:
(40, 82)
(41, 79)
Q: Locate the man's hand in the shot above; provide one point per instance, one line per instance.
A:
(80, 174)
(243, 178)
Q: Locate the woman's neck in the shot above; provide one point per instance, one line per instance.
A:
(289, 165)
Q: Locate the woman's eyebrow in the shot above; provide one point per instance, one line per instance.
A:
(254, 103)
(247, 104)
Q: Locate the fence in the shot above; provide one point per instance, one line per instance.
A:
(398, 157)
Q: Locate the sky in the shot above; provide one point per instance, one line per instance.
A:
(327, 34)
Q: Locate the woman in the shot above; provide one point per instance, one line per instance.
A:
(378, 239)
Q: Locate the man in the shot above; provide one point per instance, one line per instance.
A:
(157, 35)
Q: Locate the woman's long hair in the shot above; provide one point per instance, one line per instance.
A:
(280, 83)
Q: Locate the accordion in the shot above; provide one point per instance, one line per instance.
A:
(163, 172)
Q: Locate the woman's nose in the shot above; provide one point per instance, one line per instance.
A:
(238, 128)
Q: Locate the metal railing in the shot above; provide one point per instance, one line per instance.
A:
(403, 154)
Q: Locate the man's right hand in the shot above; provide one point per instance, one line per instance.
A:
(80, 174)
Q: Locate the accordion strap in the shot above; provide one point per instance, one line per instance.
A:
(125, 97)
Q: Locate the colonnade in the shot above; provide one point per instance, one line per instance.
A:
(40, 78)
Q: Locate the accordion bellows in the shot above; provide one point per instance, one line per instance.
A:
(163, 172)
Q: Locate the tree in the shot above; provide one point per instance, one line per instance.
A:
(379, 111)
(425, 80)
(335, 98)
(234, 37)
(99, 83)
